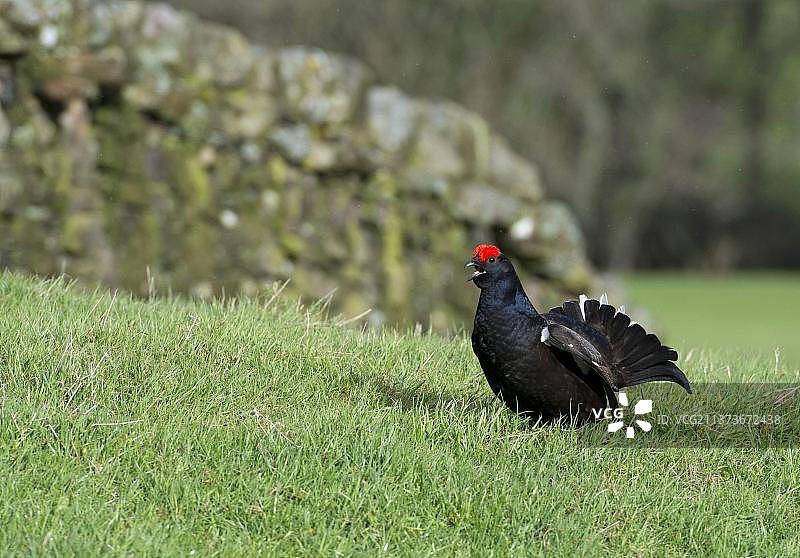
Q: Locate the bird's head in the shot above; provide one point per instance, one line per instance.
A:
(489, 266)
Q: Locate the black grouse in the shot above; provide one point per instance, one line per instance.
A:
(565, 363)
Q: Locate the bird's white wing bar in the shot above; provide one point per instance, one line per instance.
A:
(581, 301)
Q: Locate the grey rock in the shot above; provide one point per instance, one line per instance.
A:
(482, 204)
(251, 152)
(33, 13)
(249, 114)
(322, 157)
(446, 140)
(419, 181)
(117, 21)
(549, 234)
(391, 117)
(512, 173)
(220, 54)
(151, 87)
(293, 141)
(165, 34)
(106, 66)
(265, 64)
(64, 88)
(319, 87)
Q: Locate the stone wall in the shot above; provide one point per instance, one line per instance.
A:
(135, 137)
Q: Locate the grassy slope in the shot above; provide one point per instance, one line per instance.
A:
(264, 429)
(754, 311)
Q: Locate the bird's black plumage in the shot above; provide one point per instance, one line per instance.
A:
(564, 363)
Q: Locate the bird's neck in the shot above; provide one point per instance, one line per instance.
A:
(506, 292)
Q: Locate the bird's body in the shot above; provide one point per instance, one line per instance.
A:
(568, 362)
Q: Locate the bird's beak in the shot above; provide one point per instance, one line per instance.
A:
(478, 269)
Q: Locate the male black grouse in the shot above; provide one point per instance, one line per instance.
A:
(564, 363)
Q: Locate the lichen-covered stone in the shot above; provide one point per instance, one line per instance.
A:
(220, 54)
(480, 203)
(392, 118)
(115, 21)
(294, 142)
(443, 142)
(512, 173)
(142, 147)
(263, 77)
(248, 114)
(11, 42)
(549, 236)
(320, 87)
(106, 66)
(64, 88)
(32, 14)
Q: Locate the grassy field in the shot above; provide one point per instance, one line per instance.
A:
(754, 312)
(168, 427)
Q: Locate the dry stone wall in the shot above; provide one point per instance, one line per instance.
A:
(136, 137)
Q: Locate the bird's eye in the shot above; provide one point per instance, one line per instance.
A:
(491, 260)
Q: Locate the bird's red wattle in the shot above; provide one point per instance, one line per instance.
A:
(485, 251)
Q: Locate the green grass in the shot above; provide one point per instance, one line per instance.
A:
(165, 427)
(755, 312)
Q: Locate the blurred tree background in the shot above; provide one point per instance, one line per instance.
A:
(671, 127)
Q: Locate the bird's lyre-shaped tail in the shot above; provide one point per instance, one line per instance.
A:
(633, 356)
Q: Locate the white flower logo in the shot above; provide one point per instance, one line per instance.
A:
(642, 407)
